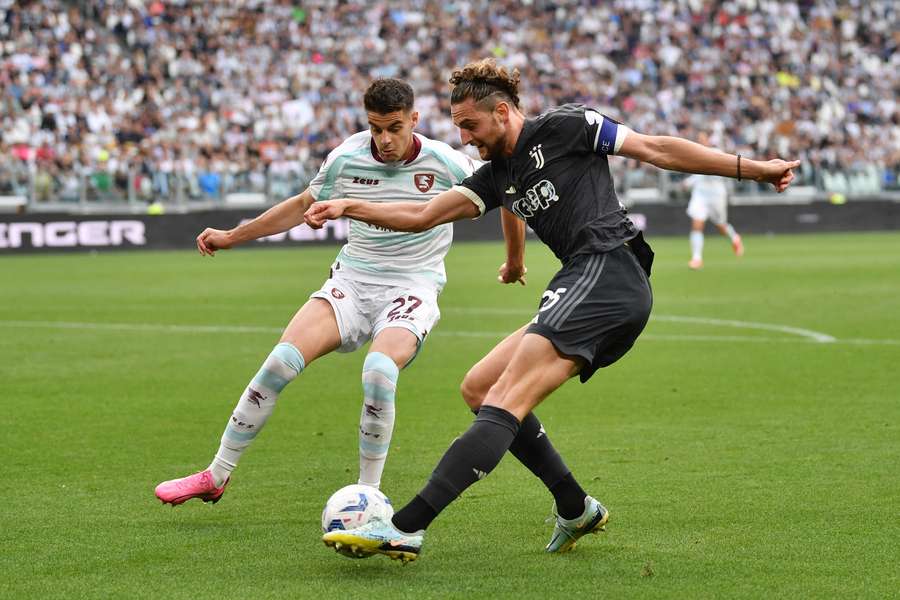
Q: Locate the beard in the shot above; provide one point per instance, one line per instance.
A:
(490, 151)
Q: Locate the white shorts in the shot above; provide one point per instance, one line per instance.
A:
(363, 310)
(714, 209)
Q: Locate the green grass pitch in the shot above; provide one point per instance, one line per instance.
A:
(747, 447)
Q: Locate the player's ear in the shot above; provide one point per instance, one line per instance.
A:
(414, 118)
(502, 111)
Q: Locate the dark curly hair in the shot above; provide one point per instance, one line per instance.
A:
(484, 79)
(387, 95)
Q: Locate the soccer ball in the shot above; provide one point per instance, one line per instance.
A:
(353, 505)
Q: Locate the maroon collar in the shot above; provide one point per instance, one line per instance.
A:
(417, 147)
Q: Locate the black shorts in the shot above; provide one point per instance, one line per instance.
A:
(596, 306)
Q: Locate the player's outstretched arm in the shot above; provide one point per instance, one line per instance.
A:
(281, 217)
(400, 216)
(679, 154)
(514, 269)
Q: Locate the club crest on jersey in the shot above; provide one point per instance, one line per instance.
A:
(423, 181)
(538, 155)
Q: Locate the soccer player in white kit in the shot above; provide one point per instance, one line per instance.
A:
(709, 201)
(383, 285)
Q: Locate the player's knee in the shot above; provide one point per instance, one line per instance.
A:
(472, 390)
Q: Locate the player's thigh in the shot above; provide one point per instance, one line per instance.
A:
(486, 372)
(397, 343)
(413, 310)
(536, 369)
(313, 330)
(353, 307)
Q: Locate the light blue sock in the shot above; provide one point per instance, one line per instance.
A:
(696, 245)
(253, 409)
(376, 423)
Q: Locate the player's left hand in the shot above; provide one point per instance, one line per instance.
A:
(779, 173)
(319, 212)
(512, 274)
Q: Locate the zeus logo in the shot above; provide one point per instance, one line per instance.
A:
(539, 197)
(538, 155)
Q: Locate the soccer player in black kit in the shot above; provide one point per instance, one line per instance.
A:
(551, 171)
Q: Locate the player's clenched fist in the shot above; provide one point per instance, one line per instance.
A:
(211, 240)
(779, 173)
(316, 215)
(512, 273)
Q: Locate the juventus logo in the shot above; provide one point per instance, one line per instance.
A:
(537, 154)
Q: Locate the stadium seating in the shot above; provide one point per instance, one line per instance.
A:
(190, 102)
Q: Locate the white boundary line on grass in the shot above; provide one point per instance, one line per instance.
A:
(804, 336)
(807, 333)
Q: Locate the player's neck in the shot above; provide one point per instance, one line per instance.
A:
(411, 150)
(514, 130)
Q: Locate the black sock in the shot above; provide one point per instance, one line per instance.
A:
(414, 516)
(469, 458)
(569, 497)
(533, 449)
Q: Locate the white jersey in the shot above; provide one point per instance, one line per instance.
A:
(375, 254)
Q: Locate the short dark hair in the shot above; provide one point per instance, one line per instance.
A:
(387, 95)
(485, 79)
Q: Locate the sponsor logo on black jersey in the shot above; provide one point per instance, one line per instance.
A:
(538, 198)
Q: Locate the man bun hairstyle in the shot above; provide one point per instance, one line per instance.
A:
(485, 79)
(386, 95)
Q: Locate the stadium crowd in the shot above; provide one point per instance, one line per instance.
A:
(200, 98)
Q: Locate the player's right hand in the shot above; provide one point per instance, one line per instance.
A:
(319, 212)
(512, 274)
(211, 240)
(779, 173)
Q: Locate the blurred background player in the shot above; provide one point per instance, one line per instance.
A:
(383, 285)
(552, 171)
(709, 201)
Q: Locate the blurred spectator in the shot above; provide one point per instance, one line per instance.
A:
(265, 88)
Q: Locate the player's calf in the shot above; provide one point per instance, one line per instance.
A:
(376, 422)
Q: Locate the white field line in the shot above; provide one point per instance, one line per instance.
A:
(813, 335)
(806, 333)
(236, 329)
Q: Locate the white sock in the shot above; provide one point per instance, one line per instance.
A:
(376, 422)
(696, 245)
(730, 232)
(253, 409)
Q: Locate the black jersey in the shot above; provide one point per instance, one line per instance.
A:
(558, 180)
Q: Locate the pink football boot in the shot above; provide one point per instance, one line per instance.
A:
(737, 244)
(199, 485)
